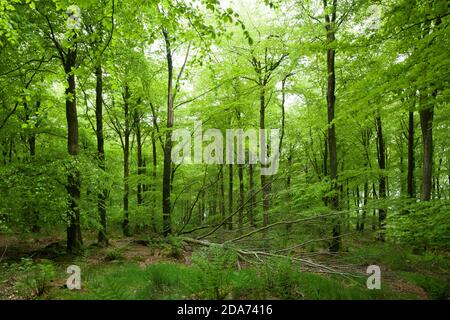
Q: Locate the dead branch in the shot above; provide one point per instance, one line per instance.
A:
(306, 264)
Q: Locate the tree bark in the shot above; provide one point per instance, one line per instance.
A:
(252, 203)
(230, 197)
(265, 180)
(410, 181)
(221, 193)
(74, 239)
(140, 162)
(241, 196)
(126, 165)
(31, 140)
(153, 186)
(167, 171)
(426, 124)
(330, 25)
(101, 197)
(382, 179)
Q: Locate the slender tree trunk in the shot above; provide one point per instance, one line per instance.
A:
(374, 195)
(252, 202)
(289, 177)
(265, 180)
(401, 166)
(74, 239)
(101, 197)
(221, 192)
(382, 179)
(438, 180)
(330, 21)
(426, 124)
(325, 159)
(366, 198)
(140, 162)
(410, 183)
(230, 196)
(357, 203)
(11, 149)
(167, 171)
(31, 140)
(241, 196)
(366, 144)
(153, 186)
(126, 165)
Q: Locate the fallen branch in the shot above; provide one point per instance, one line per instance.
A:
(282, 223)
(307, 264)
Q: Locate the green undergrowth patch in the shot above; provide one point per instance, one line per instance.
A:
(435, 287)
(215, 274)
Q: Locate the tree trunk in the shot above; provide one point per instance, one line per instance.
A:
(241, 196)
(140, 162)
(230, 197)
(126, 165)
(366, 198)
(101, 197)
(167, 172)
(426, 123)
(31, 140)
(252, 202)
(382, 179)
(74, 239)
(154, 167)
(410, 181)
(265, 180)
(330, 20)
(438, 179)
(357, 203)
(221, 193)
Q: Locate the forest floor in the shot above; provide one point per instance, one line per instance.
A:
(133, 268)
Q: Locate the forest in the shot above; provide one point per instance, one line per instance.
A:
(224, 149)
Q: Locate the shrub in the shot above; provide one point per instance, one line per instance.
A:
(35, 278)
(216, 265)
(173, 248)
(281, 278)
(113, 254)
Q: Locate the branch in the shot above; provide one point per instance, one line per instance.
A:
(57, 45)
(226, 219)
(155, 124)
(112, 30)
(177, 82)
(204, 93)
(282, 223)
(17, 103)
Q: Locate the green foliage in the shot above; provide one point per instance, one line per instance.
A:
(257, 64)
(113, 254)
(281, 278)
(437, 289)
(248, 284)
(432, 231)
(216, 265)
(34, 278)
(173, 247)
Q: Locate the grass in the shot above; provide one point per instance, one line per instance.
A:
(436, 288)
(175, 281)
(114, 273)
(428, 270)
